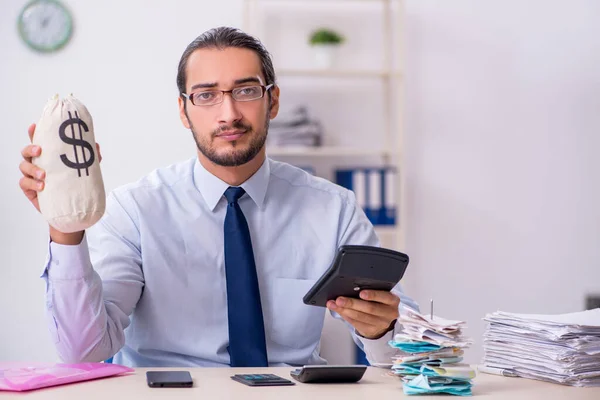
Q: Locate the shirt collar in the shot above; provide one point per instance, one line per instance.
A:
(212, 188)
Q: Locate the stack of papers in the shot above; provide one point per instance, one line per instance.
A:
(562, 348)
(295, 127)
(429, 355)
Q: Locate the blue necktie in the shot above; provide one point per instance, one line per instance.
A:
(247, 346)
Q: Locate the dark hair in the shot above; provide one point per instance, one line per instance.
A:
(221, 38)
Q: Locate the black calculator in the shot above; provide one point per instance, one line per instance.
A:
(261, 380)
(329, 373)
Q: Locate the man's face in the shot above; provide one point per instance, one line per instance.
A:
(232, 132)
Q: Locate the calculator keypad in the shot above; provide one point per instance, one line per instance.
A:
(258, 379)
(261, 377)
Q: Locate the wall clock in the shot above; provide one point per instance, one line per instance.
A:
(45, 25)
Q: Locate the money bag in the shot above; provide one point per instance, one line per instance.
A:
(73, 198)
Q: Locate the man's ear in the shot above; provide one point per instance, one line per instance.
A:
(182, 115)
(274, 102)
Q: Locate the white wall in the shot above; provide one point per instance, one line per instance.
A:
(501, 113)
(502, 126)
(122, 64)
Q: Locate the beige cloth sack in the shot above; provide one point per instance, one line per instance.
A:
(73, 198)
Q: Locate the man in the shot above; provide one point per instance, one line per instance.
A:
(205, 262)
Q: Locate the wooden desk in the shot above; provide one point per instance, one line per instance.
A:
(214, 383)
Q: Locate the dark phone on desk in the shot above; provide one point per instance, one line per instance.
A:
(357, 268)
(170, 379)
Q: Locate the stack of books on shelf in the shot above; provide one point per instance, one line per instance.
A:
(375, 191)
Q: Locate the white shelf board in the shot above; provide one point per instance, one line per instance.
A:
(337, 73)
(387, 229)
(325, 151)
(390, 236)
(322, 1)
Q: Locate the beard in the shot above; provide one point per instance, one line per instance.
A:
(235, 157)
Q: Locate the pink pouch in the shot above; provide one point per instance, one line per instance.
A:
(19, 377)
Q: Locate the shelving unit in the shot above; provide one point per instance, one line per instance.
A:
(327, 151)
(387, 74)
(340, 73)
(336, 343)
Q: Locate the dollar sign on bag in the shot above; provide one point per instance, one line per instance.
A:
(73, 140)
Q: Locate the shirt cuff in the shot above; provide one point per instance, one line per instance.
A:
(67, 261)
(378, 351)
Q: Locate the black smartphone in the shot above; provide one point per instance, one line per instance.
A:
(357, 268)
(329, 373)
(261, 380)
(169, 379)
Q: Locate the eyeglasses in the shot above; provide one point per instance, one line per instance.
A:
(212, 97)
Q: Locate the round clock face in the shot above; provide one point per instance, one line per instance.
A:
(45, 25)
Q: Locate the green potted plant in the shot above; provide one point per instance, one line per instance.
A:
(325, 43)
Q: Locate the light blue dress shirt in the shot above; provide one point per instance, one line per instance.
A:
(151, 288)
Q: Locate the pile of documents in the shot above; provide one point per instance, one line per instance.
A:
(429, 355)
(561, 348)
(294, 127)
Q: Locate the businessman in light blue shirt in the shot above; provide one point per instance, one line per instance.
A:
(149, 285)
